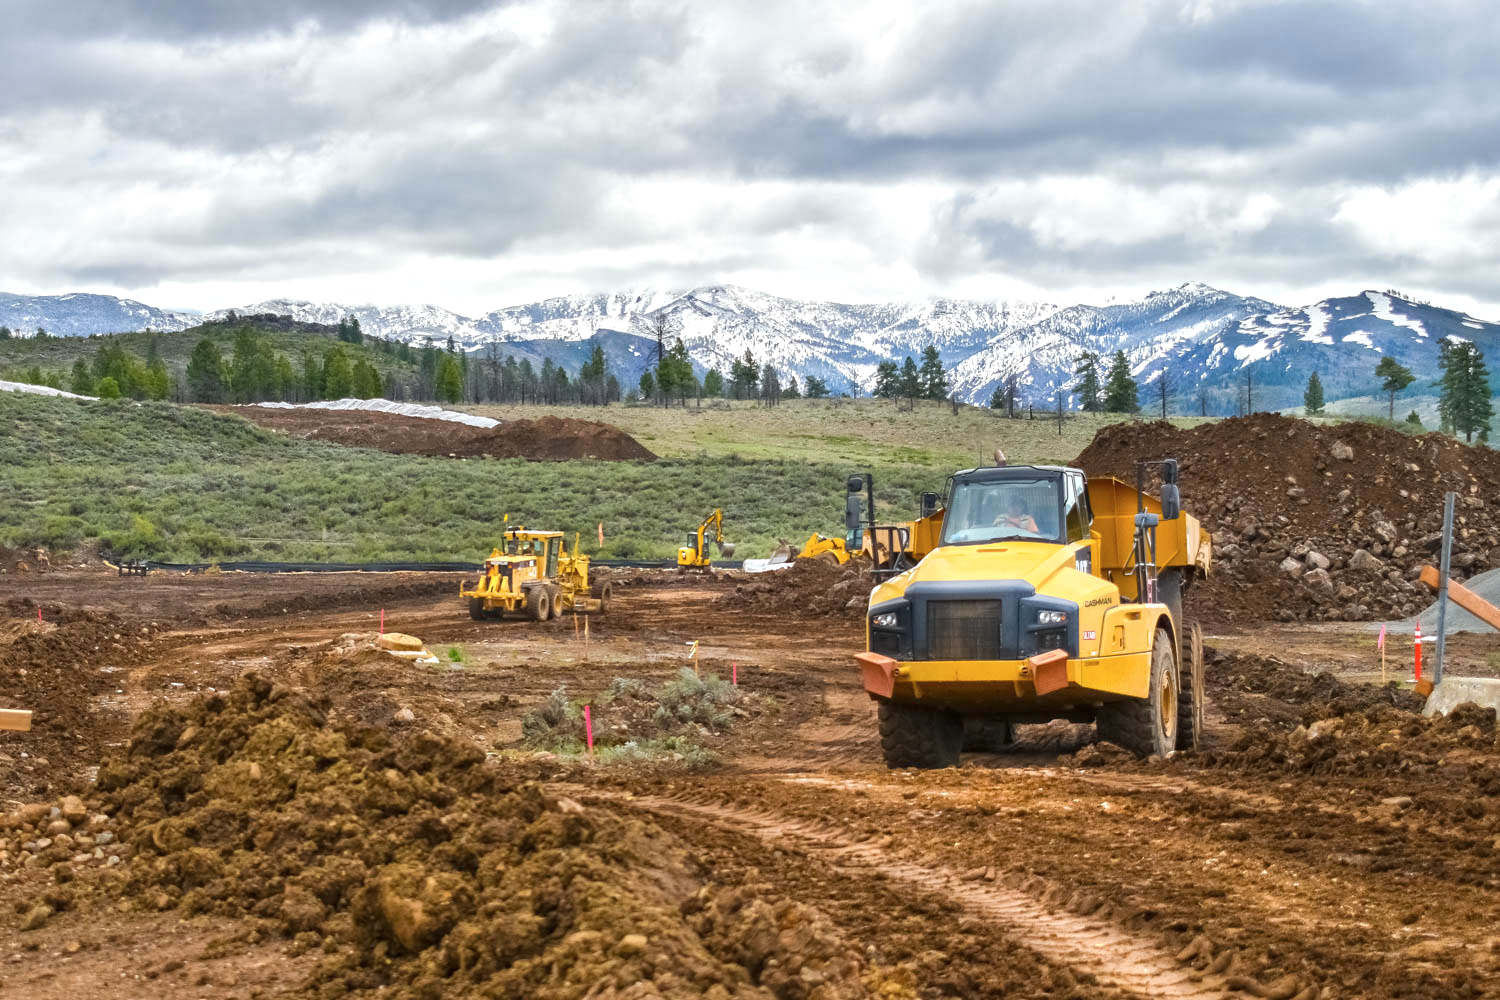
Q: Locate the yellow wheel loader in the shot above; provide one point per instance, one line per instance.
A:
(695, 554)
(531, 572)
(1046, 596)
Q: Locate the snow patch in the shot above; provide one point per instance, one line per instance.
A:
(1361, 337)
(384, 406)
(1473, 326)
(40, 390)
(1317, 326)
(1380, 305)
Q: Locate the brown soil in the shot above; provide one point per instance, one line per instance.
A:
(1271, 488)
(305, 839)
(548, 438)
(812, 587)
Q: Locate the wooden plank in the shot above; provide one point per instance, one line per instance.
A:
(1464, 597)
(14, 720)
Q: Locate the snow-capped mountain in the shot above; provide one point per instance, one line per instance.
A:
(1206, 340)
(79, 314)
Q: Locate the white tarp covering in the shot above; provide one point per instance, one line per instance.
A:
(386, 406)
(40, 390)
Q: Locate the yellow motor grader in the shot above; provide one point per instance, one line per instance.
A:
(533, 572)
(1047, 595)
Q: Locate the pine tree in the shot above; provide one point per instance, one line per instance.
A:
(1464, 399)
(312, 378)
(338, 375)
(1394, 377)
(713, 383)
(1120, 392)
(791, 390)
(887, 380)
(83, 379)
(1312, 396)
(997, 399)
(450, 380)
(648, 386)
(1088, 388)
(5, 333)
(934, 379)
(911, 379)
(108, 388)
(816, 388)
(205, 373)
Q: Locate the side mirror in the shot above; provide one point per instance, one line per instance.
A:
(854, 509)
(1171, 502)
(930, 503)
(1169, 470)
(855, 484)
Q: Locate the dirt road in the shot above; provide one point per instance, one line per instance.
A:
(1357, 857)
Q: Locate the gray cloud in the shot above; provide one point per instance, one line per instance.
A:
(1063, 144)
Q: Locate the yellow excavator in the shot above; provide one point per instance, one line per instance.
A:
(695, 554)
(1047, 595)
(534, 573)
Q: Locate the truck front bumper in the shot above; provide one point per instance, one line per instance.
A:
(1050, 680)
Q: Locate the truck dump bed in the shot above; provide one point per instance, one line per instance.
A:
(1180, 543)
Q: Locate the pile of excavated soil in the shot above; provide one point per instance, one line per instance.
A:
(420, 870)
(1248, 688)
(548, 438)
(57, 669)
(1313, 521)
(811, 588)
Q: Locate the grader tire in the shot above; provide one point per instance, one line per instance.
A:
(606, 594)
(555, 593)
(1194, 700)
(476, 609)
(539, 603)
(1147, 726)
(918, 736)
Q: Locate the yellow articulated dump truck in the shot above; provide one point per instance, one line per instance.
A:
(533, 572)
(1047, 595)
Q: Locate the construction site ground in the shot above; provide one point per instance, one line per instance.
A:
(1328, 842)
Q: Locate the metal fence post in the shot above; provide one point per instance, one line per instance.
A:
(1449, 500)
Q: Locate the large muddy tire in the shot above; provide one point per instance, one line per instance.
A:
(476, 609)
(1194, 699)
(606, 595)
(830, 558)
(918, 736)
(988, 735)
(555, 595)
(539, 603)
(1147, 726)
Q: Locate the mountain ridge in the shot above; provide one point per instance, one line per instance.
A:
(1200, 337)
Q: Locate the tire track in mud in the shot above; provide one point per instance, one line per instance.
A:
(1092, 945)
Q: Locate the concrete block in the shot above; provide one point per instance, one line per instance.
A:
(1454, 691)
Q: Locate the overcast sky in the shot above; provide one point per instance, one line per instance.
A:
(210, 153)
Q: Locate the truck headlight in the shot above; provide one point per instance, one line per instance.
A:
(1051, 617)
(885, 620)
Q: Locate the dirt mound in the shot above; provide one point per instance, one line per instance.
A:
(1317, 522)
(811, 588)
(548, 438)
(57, 669)
(1262, 689)
(419, 869)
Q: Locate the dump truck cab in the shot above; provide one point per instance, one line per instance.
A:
(1042, 599)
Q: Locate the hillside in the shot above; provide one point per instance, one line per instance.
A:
(185, 483)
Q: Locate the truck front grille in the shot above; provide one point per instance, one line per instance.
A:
(964, 630)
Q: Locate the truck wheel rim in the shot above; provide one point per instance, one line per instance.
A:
(1168, 709)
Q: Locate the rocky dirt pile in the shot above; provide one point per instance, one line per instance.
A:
(811, 588)
(547, 438)
(1248, 688)
(1317, 522)
(44, 834)
(422, 871)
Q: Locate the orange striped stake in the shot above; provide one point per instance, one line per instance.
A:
(382, 621)
(38, 614)
(575, 626)
(734, 674)
(585, 639)
(588, 728)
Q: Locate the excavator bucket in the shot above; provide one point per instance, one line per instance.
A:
(726, 549)
(784, 553)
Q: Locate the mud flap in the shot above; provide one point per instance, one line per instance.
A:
(878, 674)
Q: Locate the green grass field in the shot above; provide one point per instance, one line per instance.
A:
(181, 483)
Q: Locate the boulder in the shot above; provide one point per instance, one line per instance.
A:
(1362, 561)
(1291, 566)
(1341, 451)
(1315, 560)
(1318, 579)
